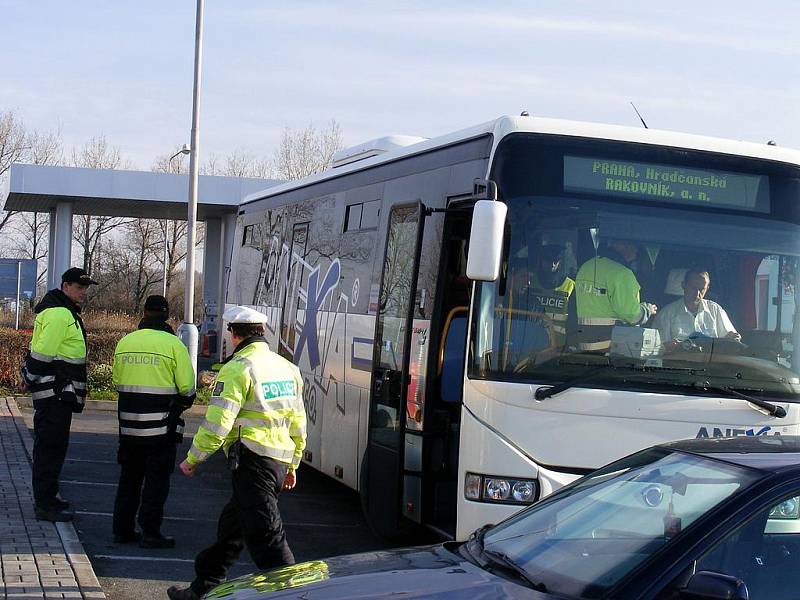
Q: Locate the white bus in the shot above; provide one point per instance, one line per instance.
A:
(451, 402)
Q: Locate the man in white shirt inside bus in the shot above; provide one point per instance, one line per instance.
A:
(693, 314)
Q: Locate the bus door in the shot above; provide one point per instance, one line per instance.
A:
(445, 375)
(383, 468)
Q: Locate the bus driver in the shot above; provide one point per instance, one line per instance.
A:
(694, 314)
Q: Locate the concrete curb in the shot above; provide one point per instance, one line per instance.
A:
(198, 410)
(88, 586)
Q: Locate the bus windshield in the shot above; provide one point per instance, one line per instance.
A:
(642, 267)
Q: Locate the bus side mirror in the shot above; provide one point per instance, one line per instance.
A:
(486, 240)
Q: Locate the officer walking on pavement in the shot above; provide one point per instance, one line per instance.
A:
(256, 415)
(155, 380)
(55, 371)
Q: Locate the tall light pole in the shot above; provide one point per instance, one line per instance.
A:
(166, 258)
(188, 330)
(185, 149)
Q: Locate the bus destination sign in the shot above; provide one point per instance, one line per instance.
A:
(666, 183)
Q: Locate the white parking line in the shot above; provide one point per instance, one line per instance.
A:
(156, 558)
(74, 482)
(105, 514)
(71, 443)
(206, 491)
(289, 523)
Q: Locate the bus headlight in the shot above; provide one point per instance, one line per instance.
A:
(523, 491)
(497, 489)
(788, 509)
(501, 490)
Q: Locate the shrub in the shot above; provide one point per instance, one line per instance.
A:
(13, 346)
(104, 330)
(106, 321)
(100, 379)
(102, 345)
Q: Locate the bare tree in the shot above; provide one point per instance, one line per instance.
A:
(170, 163)
(14, 147)
(97, 153)
(300, 153)
(31, 229)
(306, 152)
(211, 166)
(31, 238)
(46, 148)
(241, 163)
(140, 242)
(130, 267)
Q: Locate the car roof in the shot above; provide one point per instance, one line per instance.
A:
(764, 452)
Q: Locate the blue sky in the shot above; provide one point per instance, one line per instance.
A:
(124, 68)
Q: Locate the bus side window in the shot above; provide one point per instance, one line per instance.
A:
(452, 355)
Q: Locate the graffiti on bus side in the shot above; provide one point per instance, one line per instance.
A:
(312, 300)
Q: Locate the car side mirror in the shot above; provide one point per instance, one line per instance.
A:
(486, 240)
(708, 585)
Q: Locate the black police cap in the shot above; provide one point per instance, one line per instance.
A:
(77, 275)
(156, 302)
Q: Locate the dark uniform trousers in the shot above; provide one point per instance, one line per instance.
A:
(51, 423)
(143, 486)
(251, 518)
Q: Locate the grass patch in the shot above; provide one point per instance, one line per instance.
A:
(203, 395)
(101, 395)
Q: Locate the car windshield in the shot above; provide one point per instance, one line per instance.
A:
(591, 238)
(587, 537)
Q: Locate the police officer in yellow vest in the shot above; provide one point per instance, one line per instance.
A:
(552, 289)
(155, 380)
(256, 416)
(55, 371)
(607, 294)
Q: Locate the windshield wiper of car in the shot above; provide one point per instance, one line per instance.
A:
(547, 392)
(506, 564)
(473, 550)
(771, 409)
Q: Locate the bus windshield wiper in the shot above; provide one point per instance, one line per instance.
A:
(771, 409)
(547, 392)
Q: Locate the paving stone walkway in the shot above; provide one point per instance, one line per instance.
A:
(38, 559)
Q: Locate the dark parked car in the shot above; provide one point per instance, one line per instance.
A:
(713, 518)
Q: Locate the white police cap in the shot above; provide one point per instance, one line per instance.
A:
(242, 314)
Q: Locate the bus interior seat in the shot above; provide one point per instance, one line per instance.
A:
(451, 355)
(673, 286)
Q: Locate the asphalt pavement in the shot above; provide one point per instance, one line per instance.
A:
(322, 517)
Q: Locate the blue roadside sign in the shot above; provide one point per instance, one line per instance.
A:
(8, 277)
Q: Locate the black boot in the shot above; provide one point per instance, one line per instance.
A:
(175, 593)
(53, 514)
(60, 504)
(157, 541)
(127, 538)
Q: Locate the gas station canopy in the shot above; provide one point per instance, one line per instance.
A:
(116, 193)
